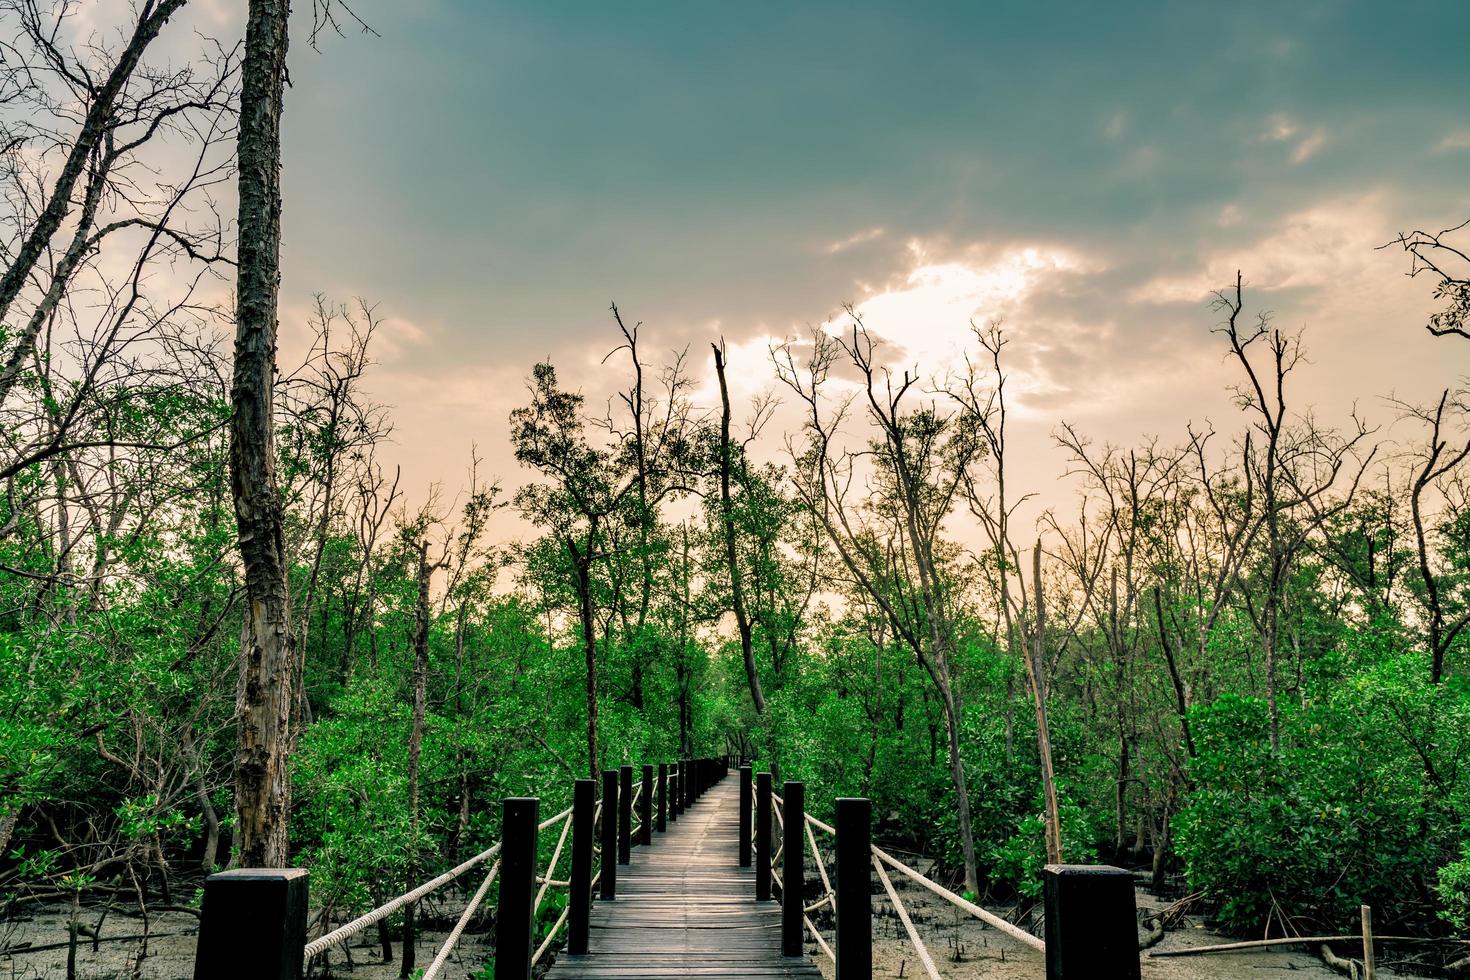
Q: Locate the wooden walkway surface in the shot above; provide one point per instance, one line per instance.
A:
(685, 908)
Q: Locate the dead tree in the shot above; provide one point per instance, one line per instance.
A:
(268, 657)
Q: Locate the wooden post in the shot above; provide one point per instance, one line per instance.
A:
(625, 814)
(645, 808)
(854, 906)
(663, 797)
(747, 799)
(515, 921)
(1091, 923)
(584, 801)
(763, 836)
(793, 870)
(609, 862)
(252, 924)
(1367, 914)
(676, 797)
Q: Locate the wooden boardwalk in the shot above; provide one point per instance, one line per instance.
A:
(685, 908)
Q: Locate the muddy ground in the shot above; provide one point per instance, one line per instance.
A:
(962, 948)
(965, 949)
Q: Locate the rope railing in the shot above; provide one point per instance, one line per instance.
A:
(989, 918)
(280, 896)
(388, 908)
(442, 957)
(908, 925)
(1079, 899)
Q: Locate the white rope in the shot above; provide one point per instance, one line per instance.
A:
(549, 937)
(1014, 931)
(820, 941)
(819, 825)
(821, 869)
(551, 820)
(551, 869)
(469, 910)
(903, 916)
(383, 911)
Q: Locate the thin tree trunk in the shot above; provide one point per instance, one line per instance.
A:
(582, 564)
(263, 698)
(95, 126)
(1034, 662)
(732, 561)
(416, 748)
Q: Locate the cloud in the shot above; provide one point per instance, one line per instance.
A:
(1453, 141)
(1308, 147)
(1282, 128)
(927, 311)
(1320, 247)
(855, 239)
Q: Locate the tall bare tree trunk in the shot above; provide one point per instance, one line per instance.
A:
(267, 662)
(416, 747)
(732, 561)
(582, 565)
(1034, 666)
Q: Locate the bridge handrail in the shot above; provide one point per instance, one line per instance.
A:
(989, 918)
(1089, 909)
(442, 957)
(254, 921)
(393, 905)
(984, 915)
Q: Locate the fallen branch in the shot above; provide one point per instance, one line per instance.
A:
(27, 948)
(1296, 941)
(1347, 966)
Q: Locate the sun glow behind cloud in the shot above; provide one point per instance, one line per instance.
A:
(927, 314)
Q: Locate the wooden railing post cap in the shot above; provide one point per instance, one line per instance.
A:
(1086, 870)
(260, 874)
(1091, 922)
(253, 923)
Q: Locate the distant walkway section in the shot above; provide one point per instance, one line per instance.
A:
(685, 908)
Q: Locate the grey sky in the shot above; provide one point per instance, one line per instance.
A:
(493, 174)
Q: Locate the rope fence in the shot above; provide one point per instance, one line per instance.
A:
(1090, 910)
(597, 832)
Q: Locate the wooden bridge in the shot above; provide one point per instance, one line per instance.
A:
(686, 908)
(704, 894)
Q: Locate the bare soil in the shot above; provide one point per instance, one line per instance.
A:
(962, 947)
(170, 952)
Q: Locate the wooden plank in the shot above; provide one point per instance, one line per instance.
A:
(685, 908)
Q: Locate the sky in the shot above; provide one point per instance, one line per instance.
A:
(492, 175)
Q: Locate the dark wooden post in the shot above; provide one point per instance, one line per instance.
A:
(514, 919)
(625, 814)
(252, 924)
(854, 889)
(584, 801)
(676, 798)
(1091, 923)
(763, 836)
(747, 794)
(645, 808)
(663, 797)
(793, 869)
(609, 862)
